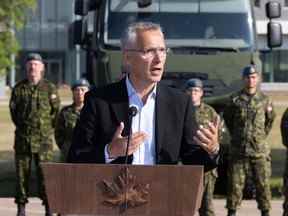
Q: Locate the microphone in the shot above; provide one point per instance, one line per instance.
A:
(132, 111)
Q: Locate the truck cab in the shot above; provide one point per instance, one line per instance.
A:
(210, 40)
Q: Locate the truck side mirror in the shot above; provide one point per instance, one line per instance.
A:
(79, 31)
(273, 10)
(274, 34)
(144, 3)
(274, 29)
(81, 7)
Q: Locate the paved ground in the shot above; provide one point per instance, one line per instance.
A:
(248, 208)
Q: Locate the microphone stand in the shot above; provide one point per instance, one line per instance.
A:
(131, 113)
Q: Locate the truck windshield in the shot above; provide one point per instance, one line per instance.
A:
(187, 23)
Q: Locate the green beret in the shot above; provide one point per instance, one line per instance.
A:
(34, 56)
(80, 82)
(248, 70)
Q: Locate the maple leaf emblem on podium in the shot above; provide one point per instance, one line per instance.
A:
(124, 191)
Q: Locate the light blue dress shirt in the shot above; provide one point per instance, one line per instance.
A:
(143, 121)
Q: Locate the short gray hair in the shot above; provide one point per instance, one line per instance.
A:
(128, 38)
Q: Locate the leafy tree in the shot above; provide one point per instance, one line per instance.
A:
(12, 16)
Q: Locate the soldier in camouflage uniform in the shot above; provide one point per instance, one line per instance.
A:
(249, 117)
(68, 117)
(284, 134)
(34, 105)
(203, 114)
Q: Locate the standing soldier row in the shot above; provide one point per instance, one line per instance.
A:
(34, 106)
(249, 117)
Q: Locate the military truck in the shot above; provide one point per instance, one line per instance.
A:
(207, 39)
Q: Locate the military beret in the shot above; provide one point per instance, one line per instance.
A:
(80, 82)
(248, 70)
(193, 83)
(34, 56)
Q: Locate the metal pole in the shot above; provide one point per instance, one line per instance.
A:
(271, 67)
(12, 58)
(12, 72)
(77, 55)
(78, 73)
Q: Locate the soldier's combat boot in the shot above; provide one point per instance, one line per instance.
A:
(231, 212)
(21, 210)
(265, 213)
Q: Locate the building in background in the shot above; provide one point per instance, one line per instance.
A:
(48, 32)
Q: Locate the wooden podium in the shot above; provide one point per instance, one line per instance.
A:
(161, 190)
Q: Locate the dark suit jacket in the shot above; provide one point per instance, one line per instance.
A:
(106, 107)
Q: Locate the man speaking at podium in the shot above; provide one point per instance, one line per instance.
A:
(163, 129)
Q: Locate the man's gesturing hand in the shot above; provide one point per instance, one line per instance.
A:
(118, 145)
(207, 138)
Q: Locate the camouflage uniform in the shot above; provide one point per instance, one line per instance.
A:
(284, 133)
(64, 128)
(205, 114)
(249, 120)
(33, 110)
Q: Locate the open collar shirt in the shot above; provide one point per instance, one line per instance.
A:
(143, 121)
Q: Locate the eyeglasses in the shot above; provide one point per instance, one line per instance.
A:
(150, 53)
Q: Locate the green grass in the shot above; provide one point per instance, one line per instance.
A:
(7, 130)
(274, 138)
(276, 185)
